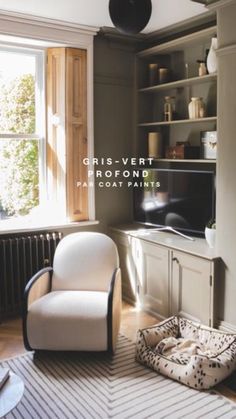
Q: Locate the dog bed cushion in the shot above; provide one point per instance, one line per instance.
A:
(197, 356)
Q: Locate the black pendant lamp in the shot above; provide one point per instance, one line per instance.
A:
(130, 16)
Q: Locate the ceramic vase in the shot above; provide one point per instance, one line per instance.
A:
(194, 108)
(212, 58)
(202, 71)
(210, 235)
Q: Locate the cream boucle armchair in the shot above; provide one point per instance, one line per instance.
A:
(76, 304)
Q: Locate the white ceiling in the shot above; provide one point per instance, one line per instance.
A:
(95, 12)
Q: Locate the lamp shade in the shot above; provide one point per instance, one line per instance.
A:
(130, 16)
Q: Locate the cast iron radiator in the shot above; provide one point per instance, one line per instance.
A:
(21, 257)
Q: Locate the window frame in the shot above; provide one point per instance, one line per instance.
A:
(40, 32)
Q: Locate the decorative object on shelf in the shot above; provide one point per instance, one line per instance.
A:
(182, 150)
(208, 144)
(206, 55)
(154, 145)
(153, 74)
(130, 16)
(210, 233)
(173, 106)
(163, 75)
(169, 107)
(202, 70)
(196, 108)
(202, 112)
(186, 70)
(212, 58)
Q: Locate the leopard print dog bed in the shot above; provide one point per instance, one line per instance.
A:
(195, 355)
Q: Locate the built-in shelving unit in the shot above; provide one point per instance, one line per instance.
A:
(180, 43)
(179, 83)
(180, 56)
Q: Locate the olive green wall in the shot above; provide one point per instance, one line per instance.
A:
(113, 122)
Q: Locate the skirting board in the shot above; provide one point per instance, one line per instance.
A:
(158, 316)
(219, 324)
(226, 327)
(128, 300)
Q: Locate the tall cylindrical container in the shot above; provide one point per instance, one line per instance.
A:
(153, 74)
(154, 145)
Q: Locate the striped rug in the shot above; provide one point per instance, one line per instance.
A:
(67, 386)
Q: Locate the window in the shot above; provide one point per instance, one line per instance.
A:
(39, 174)
(22, 128)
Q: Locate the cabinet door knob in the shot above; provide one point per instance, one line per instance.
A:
(175, 260)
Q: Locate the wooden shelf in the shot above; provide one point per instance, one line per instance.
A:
(179, 43)
(178, 122)
(180, 83)
(186, 160)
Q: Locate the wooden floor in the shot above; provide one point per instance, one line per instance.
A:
(11, 342)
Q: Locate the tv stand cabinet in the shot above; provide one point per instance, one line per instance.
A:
(166, 274)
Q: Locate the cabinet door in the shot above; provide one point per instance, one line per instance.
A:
(152, 277)
(191, 288)
(126, 250)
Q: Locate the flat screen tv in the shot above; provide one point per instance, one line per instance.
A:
(181, 199)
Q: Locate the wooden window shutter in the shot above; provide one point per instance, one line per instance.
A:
(76, 133)
(67, 129)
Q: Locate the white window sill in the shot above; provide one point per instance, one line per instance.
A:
(29, 228)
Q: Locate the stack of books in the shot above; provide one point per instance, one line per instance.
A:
(4, 375)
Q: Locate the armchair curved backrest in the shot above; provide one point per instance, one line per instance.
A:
(80, 295)
(84, 261)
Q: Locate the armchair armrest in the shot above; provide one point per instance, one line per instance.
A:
(38, 285)
(114, 310)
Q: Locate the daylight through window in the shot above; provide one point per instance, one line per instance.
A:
(22, 125)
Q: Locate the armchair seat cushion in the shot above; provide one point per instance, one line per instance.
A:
(69, 320)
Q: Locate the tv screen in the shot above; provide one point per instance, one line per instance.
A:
(181, 199)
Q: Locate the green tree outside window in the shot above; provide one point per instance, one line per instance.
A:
(19, 190)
